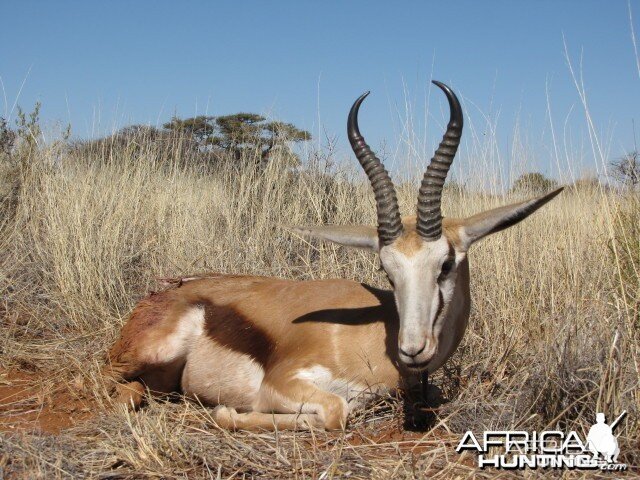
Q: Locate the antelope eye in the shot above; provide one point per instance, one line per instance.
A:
(447, 266)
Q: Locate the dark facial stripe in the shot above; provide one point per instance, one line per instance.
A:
(228, 327)
(452, 254)
(440, 305)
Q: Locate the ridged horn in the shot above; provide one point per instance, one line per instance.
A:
(429, 214)
(389, 223)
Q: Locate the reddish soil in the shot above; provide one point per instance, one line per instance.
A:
(34, 402)
(27, 404)
(387, 432)
(391, 433)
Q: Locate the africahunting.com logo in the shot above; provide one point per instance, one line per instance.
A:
(515, 449)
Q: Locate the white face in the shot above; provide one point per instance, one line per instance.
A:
(424, 282)
(431, 300)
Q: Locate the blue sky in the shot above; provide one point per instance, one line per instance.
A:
(102, 65)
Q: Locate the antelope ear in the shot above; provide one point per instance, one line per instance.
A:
(357, 236)
(482, 224)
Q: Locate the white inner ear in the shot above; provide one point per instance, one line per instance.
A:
(355, 236)
(485, 223)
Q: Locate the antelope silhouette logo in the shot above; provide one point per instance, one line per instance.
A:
(602, 441)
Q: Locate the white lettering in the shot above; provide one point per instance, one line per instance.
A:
(468, 436)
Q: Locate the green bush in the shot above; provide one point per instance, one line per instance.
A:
(533, 182)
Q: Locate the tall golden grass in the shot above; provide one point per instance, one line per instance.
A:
(84, 234)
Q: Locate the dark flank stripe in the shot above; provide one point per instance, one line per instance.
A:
(228, 327)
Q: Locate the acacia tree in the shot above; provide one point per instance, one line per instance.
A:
(200, 128)
(533, 182)
(241, 133)
(627, 169)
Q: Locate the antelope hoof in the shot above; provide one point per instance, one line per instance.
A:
(130, 394)
(225, 417)
(310, 422)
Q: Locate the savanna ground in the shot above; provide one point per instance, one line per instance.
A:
(84, 234)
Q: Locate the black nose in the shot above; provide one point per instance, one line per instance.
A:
(414, 352)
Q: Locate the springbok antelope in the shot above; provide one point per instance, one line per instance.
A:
(274, 353)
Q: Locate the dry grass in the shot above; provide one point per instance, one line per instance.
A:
(553, 336)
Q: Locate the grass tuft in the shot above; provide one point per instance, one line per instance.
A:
(553, 336)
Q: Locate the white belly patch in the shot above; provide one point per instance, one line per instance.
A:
(220, 376)
(354, 392)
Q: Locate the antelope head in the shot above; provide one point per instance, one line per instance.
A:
(424, 256)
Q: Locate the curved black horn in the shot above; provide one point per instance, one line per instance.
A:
(429, 215)
(389, 223)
